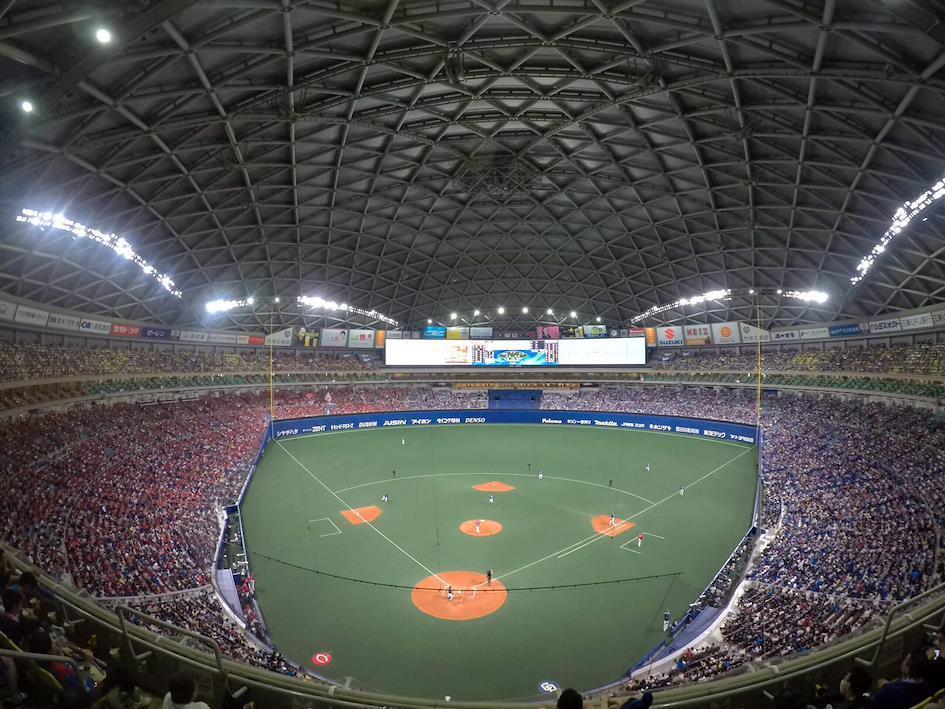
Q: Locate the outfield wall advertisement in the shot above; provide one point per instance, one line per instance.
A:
(515, 353)
(719, 430)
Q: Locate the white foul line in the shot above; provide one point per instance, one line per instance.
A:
(597, 537)
(331, 492)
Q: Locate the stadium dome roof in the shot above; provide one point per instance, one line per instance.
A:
(421, 158)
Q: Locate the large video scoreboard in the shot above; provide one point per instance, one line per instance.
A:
(516, 353)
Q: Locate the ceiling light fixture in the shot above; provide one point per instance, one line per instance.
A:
(116, 243)
(810, 296)
(103, 36)
(26, 106)
(901, 218)
(322, 304)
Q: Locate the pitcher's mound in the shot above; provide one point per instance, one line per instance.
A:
(360, 515)
(487, 528)
(472, 598)
(494, 487)
(601, 524)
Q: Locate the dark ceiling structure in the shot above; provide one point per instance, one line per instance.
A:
(422, 157)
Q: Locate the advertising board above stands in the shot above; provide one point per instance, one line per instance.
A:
(28, 315)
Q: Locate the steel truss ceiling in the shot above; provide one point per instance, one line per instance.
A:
(420, 157)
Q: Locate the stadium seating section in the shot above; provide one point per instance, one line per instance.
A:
(124, 500)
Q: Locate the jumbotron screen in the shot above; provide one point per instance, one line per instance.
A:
(515, 353)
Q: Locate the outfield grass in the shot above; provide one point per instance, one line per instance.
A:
(582, 637)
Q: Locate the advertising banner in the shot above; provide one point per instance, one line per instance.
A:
(125, 330)
(97, 327)
(189, 336)
(380, 339)
(571, 331)
(361, 339)
(250, 340)
(31, 316)
(480, 333)
(221, 338)
(885, 325)
(782, 335)
(63, 322)
(434, 332)
(333, 338)
(395, 335)
(156, 333)
(651, 339)
(698, 335)
(849, 330)
(634, 332)
(938, 317)
(725, 333)
(305, 338)
(914, 322)
(813, 333)
(549, 332)
(716, 430)
(7, 310)
(669, 336)
(457, 333)
(595, 331)
(752, 334)
(280, 338)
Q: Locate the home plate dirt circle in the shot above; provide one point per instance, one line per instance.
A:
(487, 528)
(472, 597)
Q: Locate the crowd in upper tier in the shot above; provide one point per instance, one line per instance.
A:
(28, 362)
(924, 359)
(25, 362)
(125, 499)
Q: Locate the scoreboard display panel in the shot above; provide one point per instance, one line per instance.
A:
(626, 351)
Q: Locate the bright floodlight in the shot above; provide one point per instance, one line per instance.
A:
(222, 306)
(452, 316)
(501, 310)
(429, 321)
(26, 106)
(277, 299)
(525, 310)
(103, 35)
(598, 318)
(549, 311)
(475, 312)
(573, 314)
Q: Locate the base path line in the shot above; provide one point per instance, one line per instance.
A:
(597, 537)
(333, 494)
(650, 534)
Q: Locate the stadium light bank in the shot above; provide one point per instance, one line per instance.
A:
(808, 296)
(322, 304)
(118, 244)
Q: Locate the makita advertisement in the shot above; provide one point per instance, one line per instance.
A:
(718, 430)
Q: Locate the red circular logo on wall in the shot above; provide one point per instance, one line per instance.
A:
(321, 658)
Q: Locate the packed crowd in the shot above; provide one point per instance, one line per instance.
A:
(25, 362)
(72, 485)
(924, 358)
(125, 499)
(202, 613)
(857, 490)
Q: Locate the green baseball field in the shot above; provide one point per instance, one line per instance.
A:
(371, 551)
